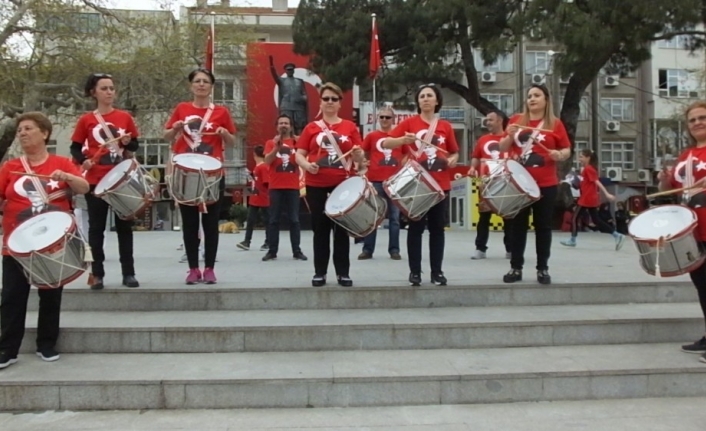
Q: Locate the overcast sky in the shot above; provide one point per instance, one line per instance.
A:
(154, 4)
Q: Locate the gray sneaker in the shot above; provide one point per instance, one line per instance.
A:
(619, 242)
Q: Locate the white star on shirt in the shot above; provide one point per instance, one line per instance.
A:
(53, 184)
(442, 140)
(541, 137)
(344, 138)
(701, 166)
(208, 126)
(121, 132)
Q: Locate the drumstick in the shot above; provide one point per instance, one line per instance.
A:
(115, 139)
(673, 191)
(534, 128)
(432, 145)
(32, 174)
(343, 156)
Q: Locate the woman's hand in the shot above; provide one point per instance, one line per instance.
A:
(312, 168)
(87, 164)
(59, 175)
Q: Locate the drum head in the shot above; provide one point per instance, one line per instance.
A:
(113, 177)
(345, 195)
(523, 178)
(195, 162)
(662, 222)
(39, 232)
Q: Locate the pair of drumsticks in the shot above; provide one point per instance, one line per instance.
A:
(346, 154)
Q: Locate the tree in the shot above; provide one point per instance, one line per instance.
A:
(430, 41)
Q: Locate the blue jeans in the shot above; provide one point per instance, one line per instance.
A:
(279, 200)
(393, 214)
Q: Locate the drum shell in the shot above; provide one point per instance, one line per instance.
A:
(132, 195)
(413, 190)
(188, 186)
(504, 196)
(362, 216)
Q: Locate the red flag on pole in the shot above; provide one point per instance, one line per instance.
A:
(208, 63)
(375, 60)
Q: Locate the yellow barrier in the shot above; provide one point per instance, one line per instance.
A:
(496, 222)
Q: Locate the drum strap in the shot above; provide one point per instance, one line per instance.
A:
(528, 146)
(194, 145)
(108, 133)
(346, 162)
(427, 137)
(38, 184)
(688, 179)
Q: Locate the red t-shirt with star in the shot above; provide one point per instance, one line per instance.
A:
(208, 142)
(284, 171)
(488, 148)
(90, 132)
(589, 189)
(20, 196)
(431, 159)
(260, 196)
(320, 151)
(537, 160)
(697, 157)
(384, 162)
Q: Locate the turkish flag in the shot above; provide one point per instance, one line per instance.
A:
(375, 60)
(208, 62)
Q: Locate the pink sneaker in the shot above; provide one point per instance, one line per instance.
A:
(194, 276)
(209, 277)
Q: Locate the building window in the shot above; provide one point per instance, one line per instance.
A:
(153, 152)
(504, 102)
(583, 105)
(223, 91)
(618, 155)
(580, 145)
(536, 62)
(677, 83)
(501, 64)
(618, 109)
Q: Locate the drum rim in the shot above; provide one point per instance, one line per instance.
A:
(367, 184)
(188, 169)
(134, 165)
(73, 227)
(682, 233)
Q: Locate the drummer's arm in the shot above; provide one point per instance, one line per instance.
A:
(505, 143)
(77, 183)
(395, 142)
(272, 155)
(452, 160)
(301, 158)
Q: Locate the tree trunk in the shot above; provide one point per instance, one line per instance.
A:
(7, 136)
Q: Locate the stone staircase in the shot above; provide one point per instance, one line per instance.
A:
(201, 348)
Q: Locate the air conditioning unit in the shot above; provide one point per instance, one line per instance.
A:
(564, 80)
(644, 175)
(484, 123)
(612, 126)
(488, 77)
(693, 95)
(538, 79)
(614, 174)
(612, 80)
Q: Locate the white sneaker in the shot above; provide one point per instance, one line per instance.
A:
(478, 255)
(183, 258)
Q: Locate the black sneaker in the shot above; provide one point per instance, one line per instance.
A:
(6, 360)
(543, 277)
(97, 283)
(243, 245)
(298, 255)
(269, 256)
(130, 281)
(703, 358)
(438, 279)
(695, 347)
(345, 281)
(513, 276)
(264, 247)
(318, 280)
(415, 279)
(48, 355)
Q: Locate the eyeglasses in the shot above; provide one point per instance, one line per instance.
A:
(431, 84)
(385, 117)
(330, 99)
(201, 81)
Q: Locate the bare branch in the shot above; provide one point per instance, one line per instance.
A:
(16, 17)
(666, 36)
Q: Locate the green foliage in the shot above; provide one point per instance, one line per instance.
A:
(238, 213)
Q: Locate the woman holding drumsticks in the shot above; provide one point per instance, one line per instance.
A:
(542, 141)
(98, 144)
(690, 172)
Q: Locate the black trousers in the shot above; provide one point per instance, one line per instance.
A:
(435, 221)
(97, 219)
(483, 232)
(322, 227)
(253, 215)
(698, 277)
(542, 213)
(284, 200)
(13, 310)
(190, 216)
(597, 220)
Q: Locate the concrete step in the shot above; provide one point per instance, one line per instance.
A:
(350, 379)
(314, 330)
(170, 297)
(651, 414)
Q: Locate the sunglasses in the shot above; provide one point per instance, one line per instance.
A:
(330, 99)
(431, 84)
(102, 75)
(385, 117)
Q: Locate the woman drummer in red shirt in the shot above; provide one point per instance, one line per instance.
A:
(212, 127)
(429, 102)
(542, 141)
(318, 149)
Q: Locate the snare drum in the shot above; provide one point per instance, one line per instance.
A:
(664, 236)
(413, 190)
(128, 189)
(49, 249)
(195, 179)
(355, 206)
(509, 189)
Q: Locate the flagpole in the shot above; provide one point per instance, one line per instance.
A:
(375, 77)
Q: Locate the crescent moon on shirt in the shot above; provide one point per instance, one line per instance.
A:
(379, 146)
